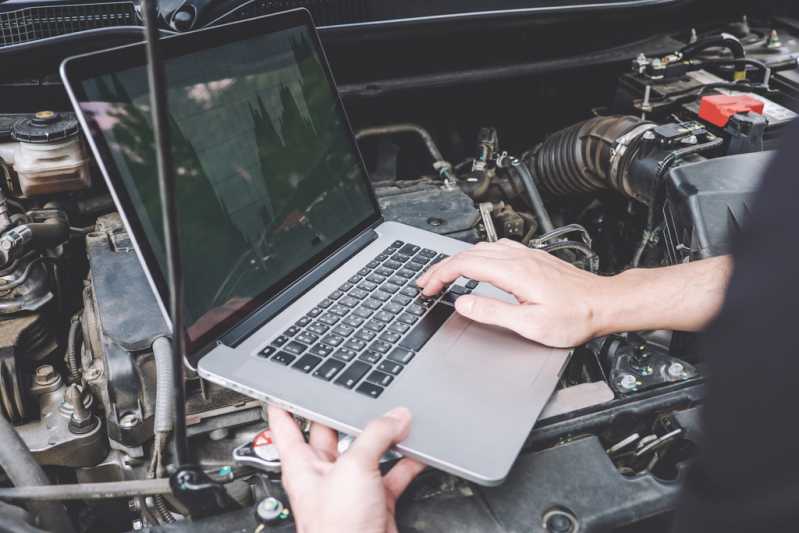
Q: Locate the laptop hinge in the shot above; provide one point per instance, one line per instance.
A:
(268, 311)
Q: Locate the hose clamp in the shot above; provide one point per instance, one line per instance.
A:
(620, 150)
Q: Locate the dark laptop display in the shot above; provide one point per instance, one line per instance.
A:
(268, 177)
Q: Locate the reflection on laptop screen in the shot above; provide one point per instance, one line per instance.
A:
(267, 175)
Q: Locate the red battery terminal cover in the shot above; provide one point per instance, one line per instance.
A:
(720, 108)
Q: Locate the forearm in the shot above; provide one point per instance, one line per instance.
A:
(682, 298)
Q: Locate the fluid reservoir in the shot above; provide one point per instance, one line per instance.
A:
(48, 154)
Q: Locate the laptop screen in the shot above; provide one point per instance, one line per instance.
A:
(269, 180)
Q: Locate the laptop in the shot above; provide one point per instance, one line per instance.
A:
(298, 293)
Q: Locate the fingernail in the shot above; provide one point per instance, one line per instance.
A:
(464, 305)
(399, 413)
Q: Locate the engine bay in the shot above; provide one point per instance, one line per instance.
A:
(649, 158)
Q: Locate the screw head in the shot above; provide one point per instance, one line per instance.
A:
(676, 370)
(128, 421)
(46, 375)
(628, 381)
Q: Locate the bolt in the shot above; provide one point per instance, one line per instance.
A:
(774, 40)
(269, 511)
(628, 381)
(676, 370)
(435, 221)
(81, 420)
(557, 521)
(46, 375)
(128, 421)
(92, 373)
(648, 136)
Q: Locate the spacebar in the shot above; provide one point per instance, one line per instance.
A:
(427, 327)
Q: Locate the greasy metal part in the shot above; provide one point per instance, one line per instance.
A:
(442, 166)
(533, 194)
(199, 493)
(24, 285)
(88, 491)
(486, 208)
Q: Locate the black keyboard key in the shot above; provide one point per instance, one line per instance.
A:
(370, 389)
(400, 355)
(426, 327)
(452, 296)
(349, 301)
(366, 334)
(400, 258)
(364, 271)
(439, 258)
(370, 357)
(396, 244)
(355, 279)
(353, 321)
(375, 325)
(392, 308)
(333, 340)
(329, 369)
(319, 328)
(393, 265)
(347, 286)
(413, 266)
(345, 354)
(417, 309)
(355, 344)
(359, 294)
(335, 295)
(372, 304)
(315, 312)
(295, 347)
(380, 346)
(410, 291)
(373, 264)
(382, 257)
(428, 253)
(407, 318)
(307, 337)
(402, 300)
(280, 341)
(324, 304)
(304, 321)
(321, 350)
(381, 295)
(396, 280)
(384, 271)
(390, 336)
(339, 310)
(376, 278)
(329, 318)
(457, 289)
(293, 330)
(266, 352)
(390, 288)
(406, 273)
(399, 327)
(408, 249)
(367, 286)
(343, 330)
(379, 378)
(283, 358)
(363, 312)
(384, 316)
(306, 363)
(353, 374)
(391, 367)
(472, 284)
(418, 260)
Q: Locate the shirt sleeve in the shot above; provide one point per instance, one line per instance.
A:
(747, 477)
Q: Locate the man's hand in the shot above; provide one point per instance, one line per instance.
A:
(558, 303)
(347, 493)
(562, 306)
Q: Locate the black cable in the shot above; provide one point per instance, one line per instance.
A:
(167, 189)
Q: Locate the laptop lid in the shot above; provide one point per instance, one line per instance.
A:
(270, 180)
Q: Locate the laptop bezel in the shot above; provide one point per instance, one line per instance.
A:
(75, 70)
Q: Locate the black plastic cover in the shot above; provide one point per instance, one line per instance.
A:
(708, 202)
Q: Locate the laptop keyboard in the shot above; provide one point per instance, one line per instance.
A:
(365, 333)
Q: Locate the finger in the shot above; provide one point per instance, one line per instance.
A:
(425, 277)
(324, 441)
(512, 244)
(489, 311)
(400, 476)
(287, 435)
(380, 434)
(493, 270)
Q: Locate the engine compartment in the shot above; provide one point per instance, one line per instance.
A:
(645, 156)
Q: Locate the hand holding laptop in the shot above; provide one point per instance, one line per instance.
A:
(329, 492)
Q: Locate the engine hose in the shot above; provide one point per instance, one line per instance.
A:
(22, 469)
(72, 349)
(588, 157)
(536, 202)
(162, 511)
(164, 407)
(590, 255)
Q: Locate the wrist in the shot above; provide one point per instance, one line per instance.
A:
(613, 302)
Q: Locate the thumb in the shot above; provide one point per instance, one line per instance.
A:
(380, 434)
(488, 311)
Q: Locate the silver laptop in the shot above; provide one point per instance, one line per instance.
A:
(297, 292)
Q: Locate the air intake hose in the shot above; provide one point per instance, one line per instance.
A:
(589, 157)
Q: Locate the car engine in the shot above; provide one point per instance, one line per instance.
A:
(644, 152)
